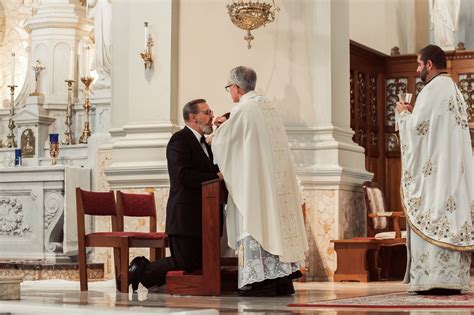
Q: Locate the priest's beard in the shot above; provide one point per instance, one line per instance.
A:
(424, 74)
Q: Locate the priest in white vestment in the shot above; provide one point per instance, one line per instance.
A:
(436, 181)
(263, 216)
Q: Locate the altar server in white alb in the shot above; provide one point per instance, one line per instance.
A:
(263, 215)
(436, 181)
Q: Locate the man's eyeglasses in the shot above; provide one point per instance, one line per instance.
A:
(206, 112)
(227, 87)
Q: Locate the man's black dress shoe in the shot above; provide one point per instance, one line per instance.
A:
(439, 291)
(134, 269)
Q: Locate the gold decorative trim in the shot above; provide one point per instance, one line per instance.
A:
(466, 248)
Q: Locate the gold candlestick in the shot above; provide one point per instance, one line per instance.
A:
(68, 134)
(37, 68)
(86, 133)
(11, 143)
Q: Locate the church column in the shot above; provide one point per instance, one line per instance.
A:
(56, 29)
(143, 101)
(330, 165)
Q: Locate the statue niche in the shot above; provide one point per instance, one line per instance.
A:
(28, 143)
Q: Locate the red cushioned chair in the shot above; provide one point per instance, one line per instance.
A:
(103, 204)
(142, 205)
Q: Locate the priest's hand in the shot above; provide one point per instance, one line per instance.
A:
(221, 177)
(219, 120)
(209, 139)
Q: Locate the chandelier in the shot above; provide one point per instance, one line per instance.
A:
(251, 15)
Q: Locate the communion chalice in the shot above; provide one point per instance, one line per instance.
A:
(405, 98)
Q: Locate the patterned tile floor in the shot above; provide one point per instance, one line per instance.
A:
(63, 297)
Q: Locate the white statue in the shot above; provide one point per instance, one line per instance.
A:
(101, 12)
(444, 22)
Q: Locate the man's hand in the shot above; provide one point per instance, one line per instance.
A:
(221, 177)
(219, 120)
(402, 107)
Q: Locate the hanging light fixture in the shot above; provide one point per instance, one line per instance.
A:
(251, 15)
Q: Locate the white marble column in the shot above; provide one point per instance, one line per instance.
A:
(330, 165)
(144, 112)
(56, 28)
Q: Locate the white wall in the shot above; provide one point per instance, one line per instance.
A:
(383, 24)
(140, 96)
(210, 45)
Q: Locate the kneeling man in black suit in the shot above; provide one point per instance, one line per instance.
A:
(190, 163)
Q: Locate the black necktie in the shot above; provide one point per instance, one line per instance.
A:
(203, 141)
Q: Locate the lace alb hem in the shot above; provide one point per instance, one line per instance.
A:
(256, 264)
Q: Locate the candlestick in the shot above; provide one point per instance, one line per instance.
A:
(68, 134)
(11, 143)
(86, 133)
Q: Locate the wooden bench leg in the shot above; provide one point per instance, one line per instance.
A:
(356, 262)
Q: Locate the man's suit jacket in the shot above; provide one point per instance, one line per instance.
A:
(188, 167)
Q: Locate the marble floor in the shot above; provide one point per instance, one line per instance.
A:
(54, 297)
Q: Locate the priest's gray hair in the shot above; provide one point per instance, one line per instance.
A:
(244, 77)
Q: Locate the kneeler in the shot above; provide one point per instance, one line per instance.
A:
(211, 280)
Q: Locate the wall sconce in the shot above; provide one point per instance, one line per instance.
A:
(146, 54)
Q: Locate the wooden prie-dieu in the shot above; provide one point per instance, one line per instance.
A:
(212, 280)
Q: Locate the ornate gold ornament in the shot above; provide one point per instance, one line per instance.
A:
(146, 54)
(37, 68)
(250, 15)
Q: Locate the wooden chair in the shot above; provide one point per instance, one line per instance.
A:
(381, 224)
(372, 258)
(142, 205)
(386, 227)
(103, 204)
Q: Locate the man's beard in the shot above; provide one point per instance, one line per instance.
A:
(424, 74)
(207, 129)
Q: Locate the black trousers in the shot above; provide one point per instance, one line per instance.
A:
(186, 254)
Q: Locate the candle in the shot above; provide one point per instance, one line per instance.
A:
(13, 69)
(71, 64)
(18, 159)
(146, 35)
(86, 60)
(53, 138)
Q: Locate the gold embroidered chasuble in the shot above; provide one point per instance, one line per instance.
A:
(252, 152)
(437, 166)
